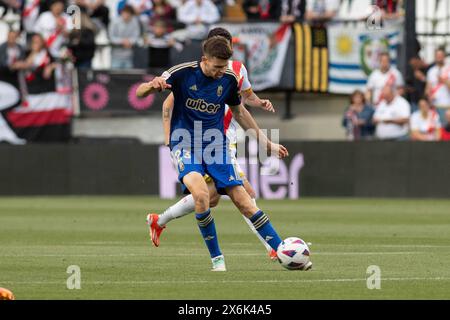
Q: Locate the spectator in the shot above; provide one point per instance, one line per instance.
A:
(39, 63)
(438, 84)
(252, 9)
(321, 11)
(385, 76)
(124, 32)
(160, 42)
(30, 14)
(390, 9)
(45, 5)
(392, 116)
(445, 130)
(290, 11)
(14, 5)
(357, 118)
(220, 5)
(3, 8)
(197, 15)
(163, 11)
(176, 3)
(82, 42)
(97, 10)
(11, 51)
(424, 123)
(54, 26)
(142, 9)
(416, 80)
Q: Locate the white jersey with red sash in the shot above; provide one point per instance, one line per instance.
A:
(54, 38)
(439, 94)
(379, 80)
(230, 124)
(30, 14)
(426, 126)
(40, 61)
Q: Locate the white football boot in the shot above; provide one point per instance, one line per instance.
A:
(218, 264)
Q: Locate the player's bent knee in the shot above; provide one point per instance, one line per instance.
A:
(214, 200)
(251, 193)
(201, 199)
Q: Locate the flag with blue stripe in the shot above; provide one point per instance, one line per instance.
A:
(354, 52)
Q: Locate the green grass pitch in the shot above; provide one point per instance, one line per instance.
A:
(107, 238)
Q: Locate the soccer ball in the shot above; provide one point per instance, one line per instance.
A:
(293, 254)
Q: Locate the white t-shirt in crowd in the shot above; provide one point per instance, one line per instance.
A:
(46, 25)
(426, 126)
(142, 6)
(440, 94)
(378, 80)
(189, 12)
(399, 108)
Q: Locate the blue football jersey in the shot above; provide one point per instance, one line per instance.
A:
(200, 99)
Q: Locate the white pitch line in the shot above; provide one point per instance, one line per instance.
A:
(147, 282)
(314, 244)
(387, 245)
(202, 254)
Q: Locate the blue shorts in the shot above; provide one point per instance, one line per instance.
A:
(224, 173)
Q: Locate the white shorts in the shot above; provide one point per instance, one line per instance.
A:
(233, 153)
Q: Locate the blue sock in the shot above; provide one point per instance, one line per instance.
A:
(208, 229)
(264, 227)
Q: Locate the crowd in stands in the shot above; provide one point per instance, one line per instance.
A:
(392, 109)
(157, 24)
(389, 109)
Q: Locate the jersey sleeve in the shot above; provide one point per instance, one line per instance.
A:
(171, 78)
(430, 75)
(413, 123)
(174, 75)
(233, 98)
(437, 121)
(399, 79)
(246, 85)
(370, 82)
(405, 110)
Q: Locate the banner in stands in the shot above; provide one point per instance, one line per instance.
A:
(266, 45)
(108, 92)
(311, 58)
(354, 52)
(32, 108)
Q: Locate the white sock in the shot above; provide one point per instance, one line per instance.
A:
(250, 224)
(179, 209)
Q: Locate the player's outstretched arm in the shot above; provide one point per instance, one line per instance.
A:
(250, 98)
(245, 119)
(157, 84)
(167, 116)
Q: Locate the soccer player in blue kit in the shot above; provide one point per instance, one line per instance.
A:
(197, 139)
